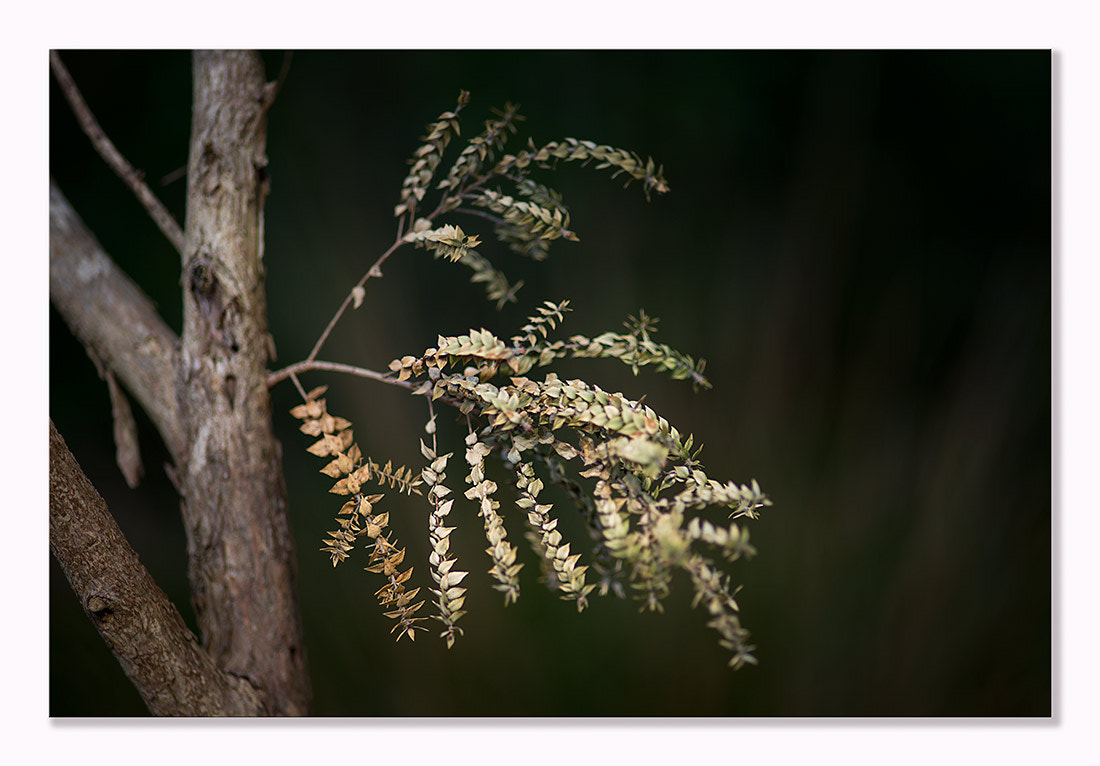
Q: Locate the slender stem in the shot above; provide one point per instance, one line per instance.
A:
(374, 271)
(310, 364)
(297, 385)
(123, 169)
(462, 193)
(271, 90)
(480, 214)
(305, 366)
(174, 176)
(431, 419)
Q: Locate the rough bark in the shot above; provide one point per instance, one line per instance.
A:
(207, 394)
(137, 621)
(242, 567)
(114, 319)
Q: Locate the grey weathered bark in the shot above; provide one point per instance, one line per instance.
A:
(141, 626)
(114, 319)
(207, 394)
(243, 572)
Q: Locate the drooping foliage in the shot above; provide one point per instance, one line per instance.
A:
(632, 476)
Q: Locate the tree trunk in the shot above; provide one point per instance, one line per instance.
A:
(208, 396)
(242, 567)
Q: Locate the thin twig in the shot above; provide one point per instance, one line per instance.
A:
(271, 90)
(374, 271)
(297, 385)
(174, 176)
(123, 169)
(431, 419)
(310, 364)
(480, 214)
(305, 366)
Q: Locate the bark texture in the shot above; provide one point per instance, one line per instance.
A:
(243, 573)
(141, 626)
(207, 394)
(114, 320)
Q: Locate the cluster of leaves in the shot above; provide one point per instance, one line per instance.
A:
(448, 241)
(428, 157)
(450, 596)
(647, 476)
(505, 570)
(532, 348)
(527, 220)
(517, 236)
(356, 517)
(571, 149)
(635, 478)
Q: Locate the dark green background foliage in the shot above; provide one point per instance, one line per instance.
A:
(859, 244)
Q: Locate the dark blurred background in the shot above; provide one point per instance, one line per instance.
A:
(859, 244)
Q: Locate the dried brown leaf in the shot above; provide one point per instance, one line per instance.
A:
(311, 428)
(127, 452)
(333, 470)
